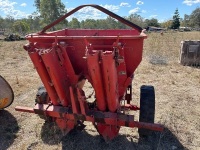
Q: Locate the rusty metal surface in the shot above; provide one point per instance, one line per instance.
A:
(108, 118)
(190, 53)
(6, 93)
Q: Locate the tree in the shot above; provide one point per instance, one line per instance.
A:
(102, 24)
(111, 23)
(50, 10)
(195, 18)
(121, 25)
(74, 23)
(176, 20)
(1, 22)
(89, 23)
(186, 21)
(152, 22)
(136, 19)
(34, 20)
(167, 24)
(20, 27)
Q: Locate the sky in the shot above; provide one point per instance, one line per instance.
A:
(162, 10)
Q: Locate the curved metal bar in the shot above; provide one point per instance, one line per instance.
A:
(126, 22)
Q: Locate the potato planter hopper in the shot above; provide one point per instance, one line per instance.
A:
(107, 59)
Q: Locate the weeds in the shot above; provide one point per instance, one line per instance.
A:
(163, 49)
(158, 60)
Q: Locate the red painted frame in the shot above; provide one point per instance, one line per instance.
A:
(106, 58)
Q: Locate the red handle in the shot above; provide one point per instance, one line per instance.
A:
(128, 23)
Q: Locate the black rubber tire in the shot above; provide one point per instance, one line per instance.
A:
(41, 96)
(147, 108)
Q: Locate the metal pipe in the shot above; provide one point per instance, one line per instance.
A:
(97, 81)
(56, 72)
(110, 80)
(42, 71)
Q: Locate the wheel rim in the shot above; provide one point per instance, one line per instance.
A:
(6, 93)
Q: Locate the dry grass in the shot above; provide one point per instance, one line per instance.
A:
(177, 102)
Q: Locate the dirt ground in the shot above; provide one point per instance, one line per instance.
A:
(177, 90)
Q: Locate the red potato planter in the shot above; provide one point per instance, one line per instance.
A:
(64, 59)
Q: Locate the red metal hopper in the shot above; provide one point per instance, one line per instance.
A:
(65, 59)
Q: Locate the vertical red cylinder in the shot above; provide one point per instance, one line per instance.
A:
(110, 80)
(68, 66)
(41, 69)
(56, 73)
(97, 82)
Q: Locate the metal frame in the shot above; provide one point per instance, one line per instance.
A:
(106, 58)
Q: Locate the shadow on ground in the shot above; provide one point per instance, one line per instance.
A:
(81, 140)
(195, 67)
(8, 129)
